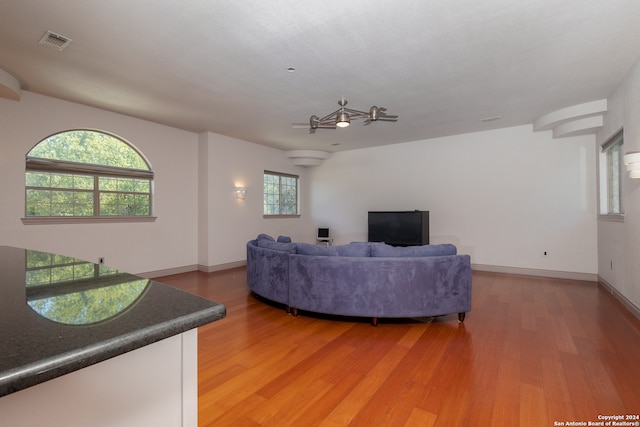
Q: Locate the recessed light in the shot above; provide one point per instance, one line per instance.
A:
(291, 69)
(335, 144)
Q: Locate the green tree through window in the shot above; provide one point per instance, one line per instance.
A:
(91, 147)
(280, 194)
(87, 174)
(611, 165)
(76, 292)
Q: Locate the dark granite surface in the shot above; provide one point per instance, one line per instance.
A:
(61, 314)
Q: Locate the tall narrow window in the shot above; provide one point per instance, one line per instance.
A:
(280, 194)
(86, 174)
(611, 173)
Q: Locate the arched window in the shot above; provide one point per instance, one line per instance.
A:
(87, 174)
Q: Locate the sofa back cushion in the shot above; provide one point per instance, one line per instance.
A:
(277, 246)
(383, 250)
(364, 246)
(284, 239)
(353, 250)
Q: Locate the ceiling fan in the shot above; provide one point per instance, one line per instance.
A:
(342, 118)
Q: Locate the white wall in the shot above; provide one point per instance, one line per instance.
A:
(199, 220)
(169, 242)
(619, 242)
(227, 223)
(504, 196)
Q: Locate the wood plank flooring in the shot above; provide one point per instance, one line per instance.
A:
(532, 352)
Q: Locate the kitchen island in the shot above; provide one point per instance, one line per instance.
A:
(83, 344)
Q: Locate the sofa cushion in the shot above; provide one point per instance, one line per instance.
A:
(284, 239)
(383, 250)
(277, 246)
(341, 250)
(366, 247)
(265, 237)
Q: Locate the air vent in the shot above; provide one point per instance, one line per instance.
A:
(490, 119)
(55, 41)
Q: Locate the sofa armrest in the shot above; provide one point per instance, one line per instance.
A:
(268, 273)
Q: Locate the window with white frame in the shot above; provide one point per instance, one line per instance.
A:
(611, 176)
(280, 194)
(86, 174)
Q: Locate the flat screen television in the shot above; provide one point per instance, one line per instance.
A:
(399, 228)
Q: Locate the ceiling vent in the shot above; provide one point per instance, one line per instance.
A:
(55, 41)
(490, 119)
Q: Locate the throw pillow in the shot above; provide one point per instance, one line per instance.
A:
(265, 237)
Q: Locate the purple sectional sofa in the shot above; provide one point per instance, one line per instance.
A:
(361, 279)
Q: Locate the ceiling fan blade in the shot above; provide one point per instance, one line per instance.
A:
(313, 129)
(384, 114)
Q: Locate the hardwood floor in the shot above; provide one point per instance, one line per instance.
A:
(532, 352)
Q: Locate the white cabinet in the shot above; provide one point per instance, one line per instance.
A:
(155, 386)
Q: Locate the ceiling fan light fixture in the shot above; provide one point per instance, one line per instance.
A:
(342, 117)
(342, 120)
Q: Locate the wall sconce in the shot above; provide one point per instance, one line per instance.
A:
(241, 192)
(632, 162)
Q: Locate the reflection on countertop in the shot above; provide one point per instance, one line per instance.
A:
(59, 314)
(77, 292)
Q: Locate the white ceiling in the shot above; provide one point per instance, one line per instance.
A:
(221, 66)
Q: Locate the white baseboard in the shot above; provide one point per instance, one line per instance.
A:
(634, 309)
(536, 272)
(168, 271)
(477, 267)
(189, 268)
(220, 267)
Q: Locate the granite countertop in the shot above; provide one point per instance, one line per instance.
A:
(60, 314)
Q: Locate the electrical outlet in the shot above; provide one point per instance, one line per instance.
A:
(101, 260)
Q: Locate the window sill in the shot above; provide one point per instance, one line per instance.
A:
(43, 220)
(611, 217)
(281, 216)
